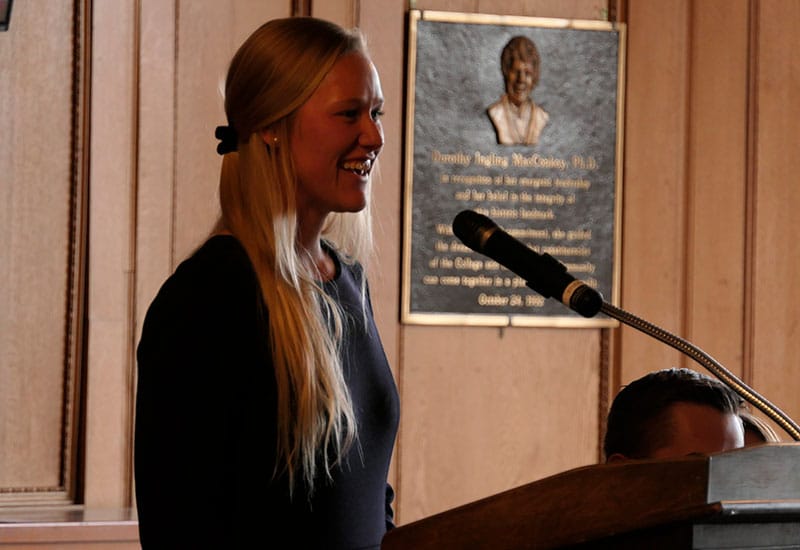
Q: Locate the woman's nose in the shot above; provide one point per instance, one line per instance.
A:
(372, 135)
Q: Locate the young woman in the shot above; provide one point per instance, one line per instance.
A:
(266, 409)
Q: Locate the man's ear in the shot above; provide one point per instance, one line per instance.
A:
(616, 457)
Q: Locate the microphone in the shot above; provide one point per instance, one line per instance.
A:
(541, 272)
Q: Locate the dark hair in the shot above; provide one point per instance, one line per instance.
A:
(638, 419)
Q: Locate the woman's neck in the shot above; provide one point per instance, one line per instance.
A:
(316, 258)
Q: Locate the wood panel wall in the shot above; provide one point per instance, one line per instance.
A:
(709, 202)
(772, 312)
(41, 190)
(707, 247)
(486, 409)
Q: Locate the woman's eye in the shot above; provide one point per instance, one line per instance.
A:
(353, 114)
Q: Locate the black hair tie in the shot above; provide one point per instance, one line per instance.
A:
(228, 139)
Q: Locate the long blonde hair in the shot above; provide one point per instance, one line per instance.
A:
(271, 75)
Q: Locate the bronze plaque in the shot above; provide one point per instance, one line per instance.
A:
(519, 119)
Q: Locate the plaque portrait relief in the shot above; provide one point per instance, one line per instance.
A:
(516, 118)
(532, 140)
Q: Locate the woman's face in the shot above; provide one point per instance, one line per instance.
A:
(335, 138)
(520, 80)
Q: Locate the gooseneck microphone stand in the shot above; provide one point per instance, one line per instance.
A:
(549, 277)
(692, 351)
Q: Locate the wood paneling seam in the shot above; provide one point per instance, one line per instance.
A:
(751, 160)
(174, 183)
(687, 189)
(133, 205)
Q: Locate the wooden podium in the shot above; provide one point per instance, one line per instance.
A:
(748, 498)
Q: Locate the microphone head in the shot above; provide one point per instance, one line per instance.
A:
(586, 301)
(473, 229)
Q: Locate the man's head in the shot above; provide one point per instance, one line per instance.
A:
(672, 413)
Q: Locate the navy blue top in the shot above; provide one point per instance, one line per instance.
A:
(205, 442)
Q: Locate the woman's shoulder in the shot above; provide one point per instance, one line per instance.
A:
(216, 270)
(219, 251)
(219, 256)
(202, 311)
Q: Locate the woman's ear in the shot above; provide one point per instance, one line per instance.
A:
(269, 137)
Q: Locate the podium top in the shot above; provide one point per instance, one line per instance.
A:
(598, 501)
